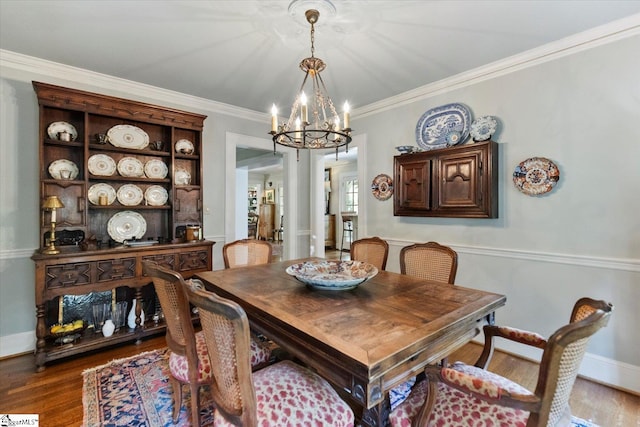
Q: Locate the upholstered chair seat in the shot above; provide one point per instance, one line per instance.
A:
(462, 395)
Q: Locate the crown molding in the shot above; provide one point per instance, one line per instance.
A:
(89, 80)
(604, 34)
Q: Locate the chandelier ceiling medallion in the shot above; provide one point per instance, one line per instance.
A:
(313, 122)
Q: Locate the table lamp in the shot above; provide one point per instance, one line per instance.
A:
(51, 203)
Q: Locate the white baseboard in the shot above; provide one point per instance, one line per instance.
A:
(15, 344)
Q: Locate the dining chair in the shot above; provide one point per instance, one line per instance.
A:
(283, 393)
(188, 360)
(430, 261)
(472, 395)
(241, 253)
(373, 250)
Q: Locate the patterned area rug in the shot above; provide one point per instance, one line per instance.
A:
(136, 392)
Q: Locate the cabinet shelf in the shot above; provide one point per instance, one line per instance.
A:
(112, 149)
(119, 178)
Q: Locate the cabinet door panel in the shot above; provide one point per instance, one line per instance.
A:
(64, 275)
(116, 269)
(413, 186)
(458, 184)
(196, 260)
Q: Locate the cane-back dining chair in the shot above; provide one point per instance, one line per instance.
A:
(241, 253)
(430, 261)
(373, 250)
(280, 394)
(188, 360)
(464, 395)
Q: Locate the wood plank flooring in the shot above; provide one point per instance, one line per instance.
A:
(56, 393)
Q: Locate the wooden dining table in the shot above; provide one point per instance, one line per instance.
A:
(364, 341)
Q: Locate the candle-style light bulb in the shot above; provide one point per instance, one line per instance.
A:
(304, 115)
(346, 115)
(53, 215)
(298, 134)
(274, 118)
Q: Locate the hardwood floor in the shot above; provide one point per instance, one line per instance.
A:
(56, 393)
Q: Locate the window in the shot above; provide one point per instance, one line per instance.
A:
(350, 193)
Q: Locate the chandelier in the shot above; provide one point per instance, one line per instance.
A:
(314, 122)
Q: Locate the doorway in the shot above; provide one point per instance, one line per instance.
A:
(236, 208)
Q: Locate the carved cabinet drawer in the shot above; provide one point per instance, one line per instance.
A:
(164, 260)
(195, 260)
(64, 275)
(116, 269)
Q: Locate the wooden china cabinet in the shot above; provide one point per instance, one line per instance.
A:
(460, 182)
(143, 215)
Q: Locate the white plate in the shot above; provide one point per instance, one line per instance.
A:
(56, 127)
(127, 136)
(182, 177)
(130, 195)
(102, 189)
(56, 167)
(156, 195)
(443, 126)
(482, 128)
(184, 146)
(130, 167)
(101, 165)
(332, 275)
(156, 169)
(126, 225)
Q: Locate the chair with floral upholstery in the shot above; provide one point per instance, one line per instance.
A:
(283, 393)
(241, 253)
(430, 261)
(188, 360)
(464, 395)
(373, 250)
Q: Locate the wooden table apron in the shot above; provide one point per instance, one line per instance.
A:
(364, 341)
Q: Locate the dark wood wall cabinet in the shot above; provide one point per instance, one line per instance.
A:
(163, 202)
(459, 182)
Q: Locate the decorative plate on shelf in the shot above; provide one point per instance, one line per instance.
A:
(332, 275)
(535, 176)
(156, 169)
(130, 195)
(57, 168)
(184, 146)
(483, 127)
(126, 225)
(182, 177)
(443, 126)
(128, 136)
(382, 187)
(56, 127)
(130, 167)
(101, 165)
(156, 195)
(102, 189)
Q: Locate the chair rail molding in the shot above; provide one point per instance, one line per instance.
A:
(623, 264)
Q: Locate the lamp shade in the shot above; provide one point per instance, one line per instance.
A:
(52, 202)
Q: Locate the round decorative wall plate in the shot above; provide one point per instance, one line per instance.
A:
(483, 128)
(535, 176)
(126, 225)
(101, 165)
(382, 187)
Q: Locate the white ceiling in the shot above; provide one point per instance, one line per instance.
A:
(246, 53)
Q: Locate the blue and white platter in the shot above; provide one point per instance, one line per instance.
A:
(332, 275)
(443, 126)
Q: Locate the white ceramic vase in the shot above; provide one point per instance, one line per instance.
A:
(131, 320)
(108, 328)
